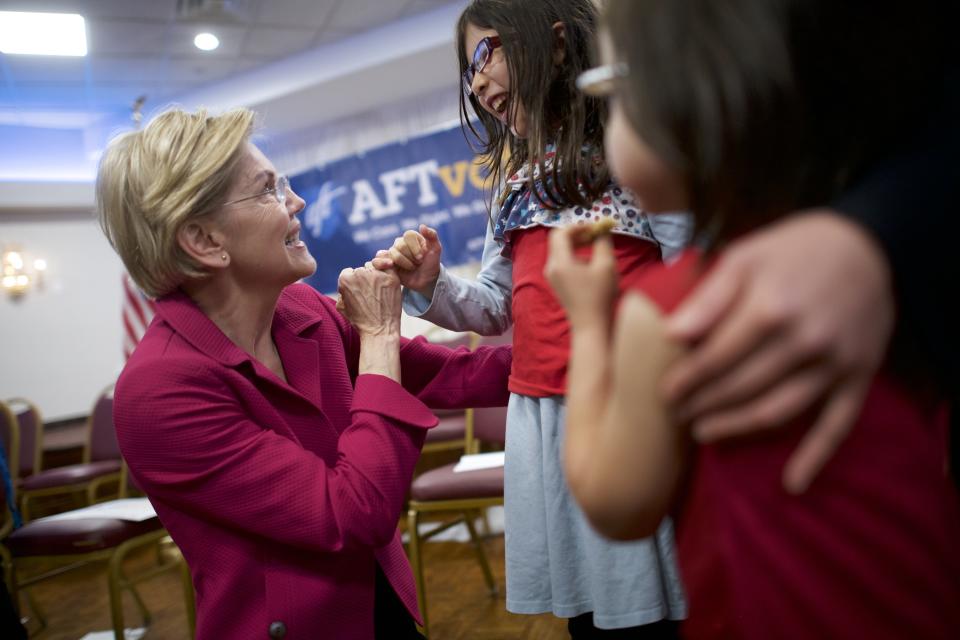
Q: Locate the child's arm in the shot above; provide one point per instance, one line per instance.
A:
(622, 454)
(481, 305)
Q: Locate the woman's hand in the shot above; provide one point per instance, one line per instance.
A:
(586, 289)
(370, 300)
(416, 257)
(793, 317)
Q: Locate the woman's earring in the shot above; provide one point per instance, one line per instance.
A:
(223, 257)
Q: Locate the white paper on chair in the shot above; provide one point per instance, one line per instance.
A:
(132, 509)
(480, 461)
(128, 634)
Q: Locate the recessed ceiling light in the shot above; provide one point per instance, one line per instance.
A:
(206, 41)
(42, 34)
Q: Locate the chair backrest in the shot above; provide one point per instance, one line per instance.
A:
(128, 485)
(7, 498)
(10, 437)
(101, 436)
(6, 520)
(6, 524)
(488, 424)
(30, 451)
(126, 481)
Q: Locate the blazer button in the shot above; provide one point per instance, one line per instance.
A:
(278, 629)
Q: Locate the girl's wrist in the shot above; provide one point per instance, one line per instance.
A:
(427, 290)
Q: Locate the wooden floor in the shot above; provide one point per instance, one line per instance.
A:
(76, 603)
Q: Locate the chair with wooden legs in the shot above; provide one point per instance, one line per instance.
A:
(77, 542)
(466, 495)
(99, 468)
(21, 430)
(6, 526)
(10, 441)
(450, 434)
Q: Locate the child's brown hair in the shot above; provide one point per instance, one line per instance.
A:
(557, 113)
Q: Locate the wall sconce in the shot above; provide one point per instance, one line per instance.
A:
(18, 276)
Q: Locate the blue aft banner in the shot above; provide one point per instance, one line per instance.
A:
(359, 204)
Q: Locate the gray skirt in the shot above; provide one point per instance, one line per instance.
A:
(555, 561)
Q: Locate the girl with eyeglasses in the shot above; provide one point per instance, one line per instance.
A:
(543, 143)
(746, 126)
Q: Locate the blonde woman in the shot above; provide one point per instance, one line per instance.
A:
(275, 438)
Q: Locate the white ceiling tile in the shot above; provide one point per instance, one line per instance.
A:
(234, 12)
(144, 9)
(273, 42)
(311, 14)
(127, 37)
(352, 15)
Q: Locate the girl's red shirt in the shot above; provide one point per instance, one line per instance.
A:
(869, 551)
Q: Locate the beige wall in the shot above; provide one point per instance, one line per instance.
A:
(61, 344)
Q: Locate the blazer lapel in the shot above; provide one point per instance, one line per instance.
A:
(299, 355)
(186, 318)
(301, 364)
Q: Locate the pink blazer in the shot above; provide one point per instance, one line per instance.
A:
(282, 496)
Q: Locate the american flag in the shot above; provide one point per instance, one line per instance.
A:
(138, 310)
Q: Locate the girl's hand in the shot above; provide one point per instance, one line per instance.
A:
(586, 289)
(416, 258)
(370, 300)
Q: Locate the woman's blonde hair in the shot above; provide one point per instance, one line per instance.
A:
(152, 182)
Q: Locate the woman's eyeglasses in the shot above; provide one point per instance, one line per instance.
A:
(279, 191)
(481, 56)
(599, 82)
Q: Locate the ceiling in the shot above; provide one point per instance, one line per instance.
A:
(143, 47)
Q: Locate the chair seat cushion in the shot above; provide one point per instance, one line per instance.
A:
(443, 484)
(66, 537)
(72, 474)
(451, 427)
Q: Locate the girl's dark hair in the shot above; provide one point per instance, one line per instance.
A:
(768, 106)
(556, 111)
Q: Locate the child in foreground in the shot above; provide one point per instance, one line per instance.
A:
(734, 130)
